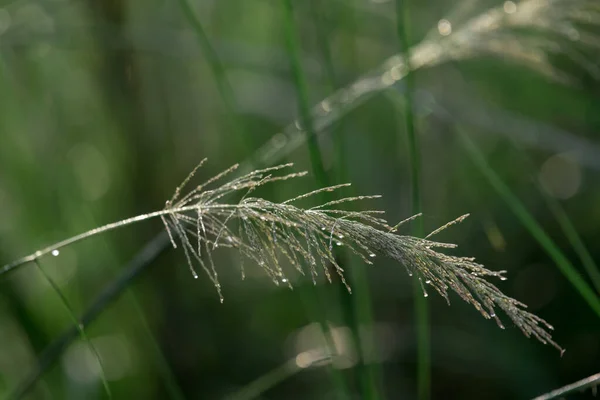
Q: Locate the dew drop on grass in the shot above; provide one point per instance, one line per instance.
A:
(341, 236)
(338, 243)
(55, 252)
(372, 255)
(428, 281)
(502, 278)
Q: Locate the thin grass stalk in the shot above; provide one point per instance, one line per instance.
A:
(529, 222)
(259, 386)
(569, 230)
(574, 238)
(305, 118)
(216, 67)
(316, 158)
(357, 306)
(167, 375)
(139, 263)
(414, 152)
(591, 382)
(78, 326)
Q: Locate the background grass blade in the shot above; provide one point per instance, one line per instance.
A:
(563, 264)
(414, 152)
(79, 327)
(136, 266)
(316, 162)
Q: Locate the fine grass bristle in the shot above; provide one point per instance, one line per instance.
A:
(267, 231)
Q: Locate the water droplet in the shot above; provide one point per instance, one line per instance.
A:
(234, 187)
(323, 228)
(55, 253)
(510, 7)
(428, 281)
(216, 244)
(284, 280)
(444, 27)
(338, 243)
(195, 276)
(410, 274)
(222, 300)
(425, 294)
(372, 255)
(492, 315)
(502, 278)
(341, 236)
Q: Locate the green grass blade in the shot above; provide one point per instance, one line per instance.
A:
(216, 67)
(78, 325)
(316, 159)
(267, 381)
(421, 305)
(292, 46)
(563, 264)
(130, 272)
(566, 226)
(357, 307)
(571, 234)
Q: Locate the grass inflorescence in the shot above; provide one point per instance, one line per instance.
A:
(274, 235)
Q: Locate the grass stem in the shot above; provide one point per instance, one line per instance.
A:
(421, 305)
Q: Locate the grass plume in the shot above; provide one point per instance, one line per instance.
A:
(269, 233)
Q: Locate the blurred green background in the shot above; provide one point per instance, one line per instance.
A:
(105, 107)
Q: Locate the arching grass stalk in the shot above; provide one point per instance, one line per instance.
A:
(414, 152)
(268, 233)
(562, 262)
(78, 325)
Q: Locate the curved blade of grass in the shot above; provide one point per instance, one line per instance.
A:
(133, 270)
(569, 230)
(78, 326)
(217, 69)
(561, 261)
(267, 381)
(421, 306)
(579, 386)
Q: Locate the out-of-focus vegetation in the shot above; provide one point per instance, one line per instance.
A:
(105, 106)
